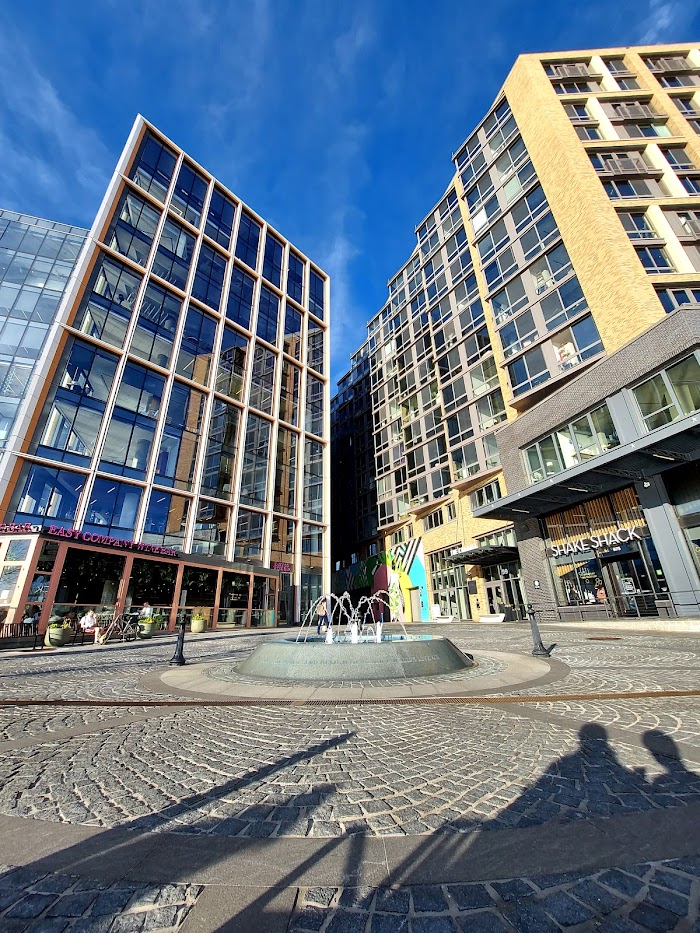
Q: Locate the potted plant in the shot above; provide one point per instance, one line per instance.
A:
(147, 628)
(198, 623)
(57, 633)
(160, 621)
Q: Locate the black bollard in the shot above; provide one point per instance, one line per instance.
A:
(538, 649)
(179, 658)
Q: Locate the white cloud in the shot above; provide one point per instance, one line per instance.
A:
(47, 155)
(664, 21)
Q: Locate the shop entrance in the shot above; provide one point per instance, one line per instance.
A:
(503, 590)
(628, 585)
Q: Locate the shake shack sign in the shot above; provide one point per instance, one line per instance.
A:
(613, 539)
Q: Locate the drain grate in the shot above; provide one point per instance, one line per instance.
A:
(604, 638)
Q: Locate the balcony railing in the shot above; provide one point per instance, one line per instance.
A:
(633, 112)
(570, 71)
(624, 166)
(665, 65)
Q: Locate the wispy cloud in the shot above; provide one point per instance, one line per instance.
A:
(48, 156)
(665, 21)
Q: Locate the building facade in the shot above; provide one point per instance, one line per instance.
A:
(534, 373)
(173, 443)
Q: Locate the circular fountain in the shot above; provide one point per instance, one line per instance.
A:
(354, 648)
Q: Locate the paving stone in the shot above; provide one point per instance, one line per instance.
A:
(346, 922)
(512, 890)
(668, 900)
(483, 921)
(160, 917)
(470, 896)
(566, 910)
(428, 899)
(71, 905)
(433, 925)
(320, 896)
(30, 906)
(596, 896)
(309, 918)
(360, 897)
(653, 918)
(391, 900)
(388, 923)
(111, 902)
(621, 881)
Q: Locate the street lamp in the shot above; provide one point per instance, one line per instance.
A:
(179, 658)
(538, 649)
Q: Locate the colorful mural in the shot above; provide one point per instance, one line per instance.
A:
(400, 571)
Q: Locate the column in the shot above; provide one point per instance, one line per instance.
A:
(535, 567)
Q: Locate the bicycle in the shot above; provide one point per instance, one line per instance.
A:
(124, 626)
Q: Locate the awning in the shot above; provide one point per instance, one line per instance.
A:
(489, 554)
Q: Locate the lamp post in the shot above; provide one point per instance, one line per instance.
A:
(538, 649)
(179, 658)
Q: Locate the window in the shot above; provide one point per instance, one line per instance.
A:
(314, 406)
(691, 185)
(181, 437)
(220, 218)
(528, 371)
(539, 236)
(285, 471)
(247, 240)
(509, 301)
(256, 459)
(499, 268)
(166, 519)
(153, 167)
(295, 278)
(465, 462)
(240, 298)
(262, 379)
(636, 225)
(231, 364)
(577, 343)
(105, 311)
(450, 512)
(292, 332)
(289, 393)
(645, 130)
(156, 326)
(212, 528)
(249, 535)
(550, 269)
(514, 187)
(314, 348)
(485, 495)
(511, 158)
(483, 215)
(433, 520)
(112, 509)
(172, 261)
(194, 358)
(670, 394)
(209, 277)
(272, 261)
(220, 455)
(268, 315)
(518, 334)
(132, 231)
(563, 303)
(490, 410)
(530, 207)
(627, 188)
(588, 436)
(188, 196)
(459, 426)
(129, 441)
(672, 298)
(577, 112)
(654, 259)
(316, 294)
(312, 480)
(587, 133)
(483, 376)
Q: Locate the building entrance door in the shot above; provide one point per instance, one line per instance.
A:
(628, 586)
(503, 591)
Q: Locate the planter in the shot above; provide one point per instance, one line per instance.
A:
(56, 637)
(198, 626)
(147, 629)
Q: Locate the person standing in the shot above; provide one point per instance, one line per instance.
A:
(321, 616)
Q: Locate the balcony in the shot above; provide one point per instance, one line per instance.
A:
(667, 65)
(634, 112)
(625, 165)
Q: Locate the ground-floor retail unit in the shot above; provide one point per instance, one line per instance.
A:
(63, 574)
(605, 499)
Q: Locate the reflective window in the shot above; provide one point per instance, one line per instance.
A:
(156, 326)
(72, 421)
(153, 167)
(209, 278)
(132, 426)
(172, 261)
(188, 196)
(589, 436)
(230, 372)
(313, 480)
(282, 544)
(527, 372)
(256, 458)
(211, 528)
(221, 450)
(268, 315)
(166, 520)
(262, 379)
(220, 218)
(670, 394)
(285, 471)
(292, 332)
(249, 535)
(564, 303)
(133, 228)
(194, 358)
(105, 310)
(179, 444)
(272, 262)
(112, 509)
(289, 393)
(314, 352)
(48, 494)
(316, 297)
(248, 240)
(240, 298)
(314, 406)
(295, 278)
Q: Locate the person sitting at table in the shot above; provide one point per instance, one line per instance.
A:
(146, 612)
(31, 619)
(88, 622)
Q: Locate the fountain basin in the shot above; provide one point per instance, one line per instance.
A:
(314, 660)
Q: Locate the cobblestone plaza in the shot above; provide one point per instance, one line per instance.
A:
(569, 804)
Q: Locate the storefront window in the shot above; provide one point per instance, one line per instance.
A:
(152, 581)
(233, 602)
(263, 602)
(89, 579)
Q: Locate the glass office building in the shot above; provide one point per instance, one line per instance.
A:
(176, 449)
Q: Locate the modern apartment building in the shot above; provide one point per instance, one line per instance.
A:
(535, 372)
(173, 441)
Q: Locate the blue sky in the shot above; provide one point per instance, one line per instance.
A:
(335, 121)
